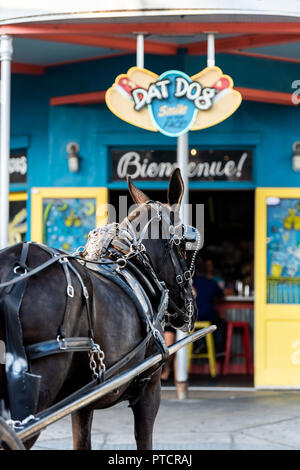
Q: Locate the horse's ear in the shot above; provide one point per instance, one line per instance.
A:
(176, 188)
(137, 195)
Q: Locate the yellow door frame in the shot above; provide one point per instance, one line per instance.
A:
(277, 326)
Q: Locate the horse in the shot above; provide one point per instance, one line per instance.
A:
(113, 317)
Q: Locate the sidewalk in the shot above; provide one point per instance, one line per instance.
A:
(207, 420)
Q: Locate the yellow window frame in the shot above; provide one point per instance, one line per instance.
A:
(100, 194)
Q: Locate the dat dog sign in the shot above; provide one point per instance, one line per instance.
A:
(173, 103)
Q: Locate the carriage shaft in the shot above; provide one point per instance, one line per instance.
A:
(103, 389)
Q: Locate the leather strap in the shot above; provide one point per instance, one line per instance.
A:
(67, 266)
(86, 297)
(47, 348)
(23, 387)
(69, 298)
(34, 271)
(108, 271)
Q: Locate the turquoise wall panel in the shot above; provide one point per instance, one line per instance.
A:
(274, 128)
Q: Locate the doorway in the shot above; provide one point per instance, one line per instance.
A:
(229, 246)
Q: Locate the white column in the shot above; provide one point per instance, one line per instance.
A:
(140, 51)
(210, 50)
(6, 51)
(181, 357)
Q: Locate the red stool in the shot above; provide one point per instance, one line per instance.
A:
(247, 353)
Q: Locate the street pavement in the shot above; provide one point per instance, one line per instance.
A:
(209, 419)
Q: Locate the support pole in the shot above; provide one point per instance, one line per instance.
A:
(6, 51)
(140, 51)
(182, 161)
(210, 50)
(181, 357)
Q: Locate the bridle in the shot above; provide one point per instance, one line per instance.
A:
(128, 244)
(179, 238)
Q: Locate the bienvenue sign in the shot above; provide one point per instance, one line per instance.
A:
(204, 165)
(173, 103)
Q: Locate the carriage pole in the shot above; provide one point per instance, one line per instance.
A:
(57, 412)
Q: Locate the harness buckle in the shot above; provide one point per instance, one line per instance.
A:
(85, 292)
(187, 275)
(179, 279)
(70, 291)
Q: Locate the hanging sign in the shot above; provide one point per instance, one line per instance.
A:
(173, 103)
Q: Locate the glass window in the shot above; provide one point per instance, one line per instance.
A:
(283, 250)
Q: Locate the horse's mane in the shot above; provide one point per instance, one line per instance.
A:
(121, 236)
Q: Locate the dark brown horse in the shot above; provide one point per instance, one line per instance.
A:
(116, 324)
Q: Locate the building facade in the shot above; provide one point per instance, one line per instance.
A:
(253, 209)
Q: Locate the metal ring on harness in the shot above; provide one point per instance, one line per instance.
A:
(187, 275)
(17, 268)
(121, 262)
(176, 240)
(61, 342)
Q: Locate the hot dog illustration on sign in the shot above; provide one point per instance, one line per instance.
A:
(173, 102)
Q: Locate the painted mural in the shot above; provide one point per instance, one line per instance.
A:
(17, 222)
(67, 222)
(283, 250)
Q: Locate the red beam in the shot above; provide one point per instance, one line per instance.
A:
(242, 42)
(109, 42)
(264, 96)
(265, 56)
(28, 69)
(81, 98)
(164, 28)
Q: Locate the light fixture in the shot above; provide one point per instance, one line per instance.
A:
(73, 157)
(296, 156)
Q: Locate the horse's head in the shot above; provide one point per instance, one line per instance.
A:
(171, 246)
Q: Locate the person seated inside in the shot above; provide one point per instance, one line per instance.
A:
(208, 291)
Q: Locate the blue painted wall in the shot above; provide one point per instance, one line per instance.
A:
(270, 129)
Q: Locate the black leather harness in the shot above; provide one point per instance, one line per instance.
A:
(133, 273)
(141, 286)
